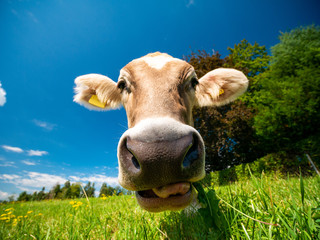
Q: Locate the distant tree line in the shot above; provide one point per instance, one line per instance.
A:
(279, 116)
(71, 191)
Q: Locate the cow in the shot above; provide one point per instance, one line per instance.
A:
(161, 154)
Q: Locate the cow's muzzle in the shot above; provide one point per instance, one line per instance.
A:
(160, 161)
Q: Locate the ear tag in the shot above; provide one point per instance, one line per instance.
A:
(221, 91)
(96, 102)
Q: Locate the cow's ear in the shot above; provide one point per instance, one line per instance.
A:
(96, 92)
(220, 86)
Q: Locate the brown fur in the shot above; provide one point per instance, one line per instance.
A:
(160, 89)
(161, 92)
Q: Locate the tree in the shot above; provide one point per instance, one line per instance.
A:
(41, 194)
(55, 192)
(34, 196)
(106, 190)
(203, 62)
(24, 196)
(252, 60)
(75, 190)
(227, 131)
(89, 189)
(11, 198)
(288, 103)
(66, 190)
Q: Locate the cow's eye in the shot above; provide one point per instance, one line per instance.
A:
(122, 85)
(194, 82)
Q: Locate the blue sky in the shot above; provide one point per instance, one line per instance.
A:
(45, 137)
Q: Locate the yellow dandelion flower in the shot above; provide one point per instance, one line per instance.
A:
(25, 216)
(40, 214)
(4, 218)
(29, 212)
(9, 209)
(3, 215)
(9, 213)
(20, 217)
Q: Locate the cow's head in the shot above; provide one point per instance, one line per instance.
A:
(161, 154)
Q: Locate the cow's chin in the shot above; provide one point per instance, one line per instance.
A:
(151, 202)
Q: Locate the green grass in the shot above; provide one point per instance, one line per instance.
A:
(265, 208)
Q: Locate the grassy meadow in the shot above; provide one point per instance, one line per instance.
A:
(260, 208)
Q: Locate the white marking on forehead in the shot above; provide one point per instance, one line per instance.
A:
(123, 73)
(159, 61)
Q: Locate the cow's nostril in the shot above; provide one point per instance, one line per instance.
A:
(135, 162)
(192, 153)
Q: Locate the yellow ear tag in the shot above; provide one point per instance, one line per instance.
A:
(221, 91)
(96, 102)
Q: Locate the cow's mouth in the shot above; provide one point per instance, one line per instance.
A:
(174, 196)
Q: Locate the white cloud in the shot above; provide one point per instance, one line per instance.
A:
(8, 177)
(4, 195)
(37, 153)
(7, 164)
(2, 96)
(34, 181)
(29, 163)
(12, 149)
(29, 152)
(42, 179)
(45, 125)
(97, 179)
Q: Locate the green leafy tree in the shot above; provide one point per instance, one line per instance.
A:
(89, 189)
(24, 196)
(55, 192)
(227, 131)
(106, 190)
(66, 190)
(41, 194)
(252, 60)
(75, 190)
(34, 196)
(288, 103)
